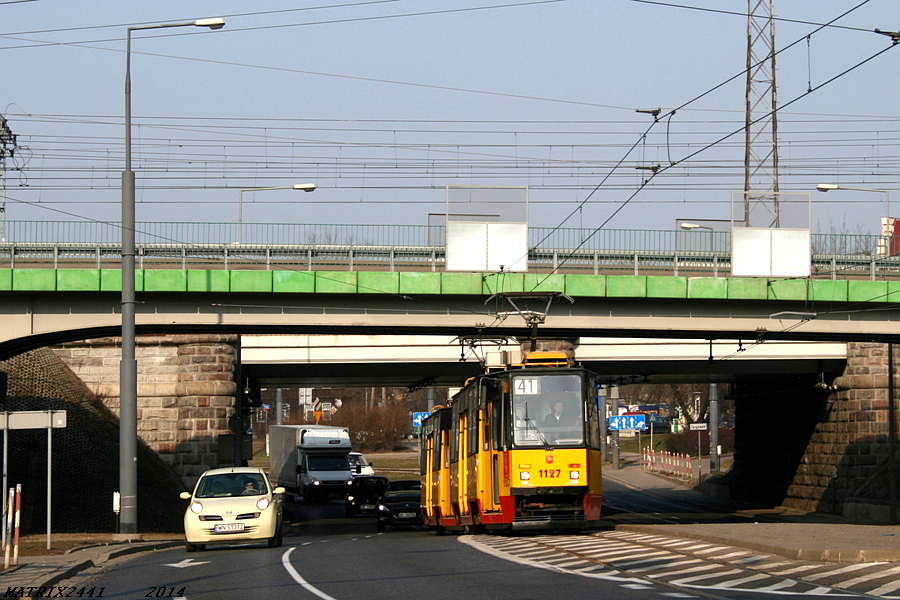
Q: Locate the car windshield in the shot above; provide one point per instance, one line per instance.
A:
(358, 459)
(548, 410)
(368, 485)
(227, 485)
(328, 463)
(404, 485)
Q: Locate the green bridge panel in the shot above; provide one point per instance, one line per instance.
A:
(251, 281)
(707, 288)
(336, 282)
(78, 280)
(164, 280)
(434, 283)
(586, 286)
(208, 281)
(496, 283)
(461, 283)
(420, 283)
(666, 287)
(41, 280)
(294, 282)
(626, 286)
(378, 282)
(824, 290)
(788, 289)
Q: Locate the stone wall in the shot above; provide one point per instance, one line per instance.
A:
(845, 463)
(186, 392)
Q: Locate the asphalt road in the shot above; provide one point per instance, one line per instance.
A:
(329, 556)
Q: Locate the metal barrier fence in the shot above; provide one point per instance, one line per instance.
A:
(87, 244)
(670, 463)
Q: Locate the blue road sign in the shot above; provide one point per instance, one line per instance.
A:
(418, 417)
(626, 422)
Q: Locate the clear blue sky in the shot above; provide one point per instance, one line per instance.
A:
(384, 103)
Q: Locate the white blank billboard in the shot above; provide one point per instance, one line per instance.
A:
(487, 246)
(762, 252)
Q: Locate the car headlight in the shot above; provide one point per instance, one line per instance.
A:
(349, 498)
(262, 503)
(383, 508)
(524, 476)
(314, 481)
(196, 507)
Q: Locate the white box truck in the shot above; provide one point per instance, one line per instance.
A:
(310, 460)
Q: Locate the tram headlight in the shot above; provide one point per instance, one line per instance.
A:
(574, 474)
(524, 476)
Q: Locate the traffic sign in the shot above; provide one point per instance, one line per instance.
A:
(627, 422)
(698, 426)
(418, 417)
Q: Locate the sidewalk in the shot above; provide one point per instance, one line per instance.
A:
(781, 531)
(35, 572)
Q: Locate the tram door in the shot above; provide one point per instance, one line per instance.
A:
(492, 425)
(462, 497)
(428, 470)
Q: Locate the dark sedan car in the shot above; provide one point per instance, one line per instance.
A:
(363, 492)
(400, 504)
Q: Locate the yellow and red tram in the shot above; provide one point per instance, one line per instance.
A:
(517, 448)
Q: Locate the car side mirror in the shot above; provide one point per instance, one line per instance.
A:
(358, 469)
(300, 469)
(278, 491)
(185, 495)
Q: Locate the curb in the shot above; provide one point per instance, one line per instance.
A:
(75, 568)
(848, 556)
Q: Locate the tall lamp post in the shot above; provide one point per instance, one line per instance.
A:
(128, 366)
(303, 187)
(827, 187)
(893, 483)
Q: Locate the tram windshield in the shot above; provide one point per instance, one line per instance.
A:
(547, 410)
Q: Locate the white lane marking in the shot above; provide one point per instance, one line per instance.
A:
(188, 562)
(286, 561)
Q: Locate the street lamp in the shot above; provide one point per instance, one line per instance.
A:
(827, 187)
(690, 226)
(128, 366)
(303, 187)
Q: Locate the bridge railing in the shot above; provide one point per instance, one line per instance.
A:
(83, 244)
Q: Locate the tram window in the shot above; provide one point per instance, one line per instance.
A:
(454, 441)
(496, 423)
(472, 434)
(436, 451)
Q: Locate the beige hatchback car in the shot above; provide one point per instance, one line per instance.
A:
(232, 506)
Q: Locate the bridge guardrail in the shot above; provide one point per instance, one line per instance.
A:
(623, 252)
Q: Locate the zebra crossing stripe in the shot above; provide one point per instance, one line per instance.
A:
(864, 578)
(841, 571)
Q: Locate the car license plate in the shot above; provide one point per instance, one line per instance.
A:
(407, 515)
(367, 506)
(229, 527)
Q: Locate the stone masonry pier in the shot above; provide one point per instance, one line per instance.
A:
(186, 392)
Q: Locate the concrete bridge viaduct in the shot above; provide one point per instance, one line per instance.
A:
(189, 321)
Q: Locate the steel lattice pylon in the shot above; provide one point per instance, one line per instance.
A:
(761, 194)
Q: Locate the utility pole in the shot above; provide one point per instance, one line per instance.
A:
(761, 193)
(8, 147)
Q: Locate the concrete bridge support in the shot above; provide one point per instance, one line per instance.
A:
(186, 392)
